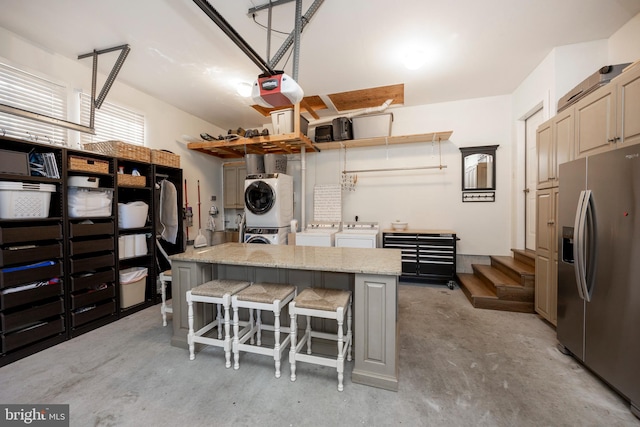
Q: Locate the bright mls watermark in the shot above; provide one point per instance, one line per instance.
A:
(34, 415)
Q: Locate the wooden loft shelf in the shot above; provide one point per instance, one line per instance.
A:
(388, 140)
(292, 143)
(289, 143)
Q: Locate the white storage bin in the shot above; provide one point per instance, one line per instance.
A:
(83, 181)
(132, 286)
(132, 214)
(25, 199)
(86, 202)
(126, 246)
(140, 245)
(372, 126)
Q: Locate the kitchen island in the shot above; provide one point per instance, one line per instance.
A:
(371, 274)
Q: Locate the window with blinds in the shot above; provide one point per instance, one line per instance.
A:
(111, 123)
(24, 90)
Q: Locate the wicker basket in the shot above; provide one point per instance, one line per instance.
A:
(164, 158)
(85, 164)
(127, 180)
(121, 150)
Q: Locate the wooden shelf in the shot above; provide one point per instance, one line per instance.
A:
(292, 143)
(289, 143)
(389, 140)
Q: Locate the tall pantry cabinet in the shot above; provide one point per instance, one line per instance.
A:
(60, 258)
(604, 120)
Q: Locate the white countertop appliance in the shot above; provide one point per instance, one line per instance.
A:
(320, 233)
(358, 235)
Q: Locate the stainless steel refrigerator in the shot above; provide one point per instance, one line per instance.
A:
(599, 267)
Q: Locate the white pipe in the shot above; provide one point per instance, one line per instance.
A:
(303, 185)
(369, 110)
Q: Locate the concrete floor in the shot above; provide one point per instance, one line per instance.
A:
(459, 366)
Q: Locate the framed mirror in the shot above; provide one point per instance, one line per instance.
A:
(479, 173)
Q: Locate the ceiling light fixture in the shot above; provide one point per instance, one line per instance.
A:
(244, 89)
(414, 59)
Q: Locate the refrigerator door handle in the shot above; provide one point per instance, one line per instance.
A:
(579, 248)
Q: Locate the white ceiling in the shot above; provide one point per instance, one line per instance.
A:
(179, 55)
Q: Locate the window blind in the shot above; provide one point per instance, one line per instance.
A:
(24, 90)
(112, 122)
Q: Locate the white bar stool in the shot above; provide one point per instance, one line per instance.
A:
(165, 278)
(326, 304)
(261, 296)
(214, 292)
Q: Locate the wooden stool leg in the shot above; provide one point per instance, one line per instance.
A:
(340, 350)
(236, 341)
(308, 334)
(294, 332)
(163, 307)
(191, 334)
(227, 332)
(349, 333)
(276, 337)
(219, 321)
(259, 327)
(251, 324)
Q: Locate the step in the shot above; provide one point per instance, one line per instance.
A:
(481, 296)
(504, 286)
(526, 256)
(519, 271)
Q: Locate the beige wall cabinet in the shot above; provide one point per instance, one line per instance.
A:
(555, 145)
(608, 118)
(233, 177)
(595, 117)
(547, 254)
(628, 121)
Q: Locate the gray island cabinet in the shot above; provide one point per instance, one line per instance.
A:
(371, 274)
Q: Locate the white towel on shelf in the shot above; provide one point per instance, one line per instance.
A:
(169, 211)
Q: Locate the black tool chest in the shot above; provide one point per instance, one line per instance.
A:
(427, 256)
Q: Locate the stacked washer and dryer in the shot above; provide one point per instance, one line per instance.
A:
(268, 199)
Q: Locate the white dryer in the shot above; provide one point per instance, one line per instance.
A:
(318, 234)
(358, 235)
(266, 236)
(268, 200)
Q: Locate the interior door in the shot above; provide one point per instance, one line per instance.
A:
(531, 178)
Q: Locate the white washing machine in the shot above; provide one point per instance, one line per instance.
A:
(358, 235)
(266, 236)
(318, 234)
(268, 200)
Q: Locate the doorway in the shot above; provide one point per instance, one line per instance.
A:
(531, 124)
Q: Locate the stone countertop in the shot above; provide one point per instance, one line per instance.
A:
(343, 260)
